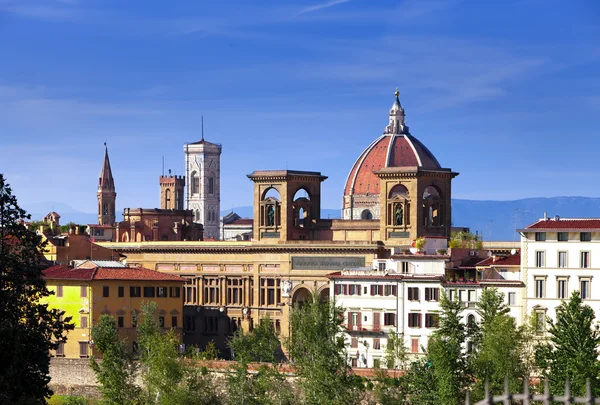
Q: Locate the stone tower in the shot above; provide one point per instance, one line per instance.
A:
(203, 184)
(287, 204)
(107, 195)
(171, 192)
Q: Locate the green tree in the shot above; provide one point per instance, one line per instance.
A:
(29, 329)
(116, 370)
(167, 378)
(465, 240)
(572, 350)
(396, 352)
(390, 390)
(446, 354)
(268, 385)
(498, 351)
(421, 383)
(260, 345)
(318, 350)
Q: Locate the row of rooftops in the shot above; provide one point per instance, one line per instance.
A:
(88, 270)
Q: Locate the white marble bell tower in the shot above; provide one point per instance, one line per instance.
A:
(203, 184)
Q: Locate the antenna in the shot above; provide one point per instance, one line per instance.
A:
(203, 127)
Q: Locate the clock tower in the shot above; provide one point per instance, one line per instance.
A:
(203, 184)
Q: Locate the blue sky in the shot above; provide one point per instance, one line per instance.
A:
(505, 92)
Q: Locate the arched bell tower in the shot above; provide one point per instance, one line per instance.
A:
(287, 204)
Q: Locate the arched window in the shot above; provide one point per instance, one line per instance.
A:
(270, 211)
(302, 207)
(211, 185)
(195, 183)
(167, 198)
(398, 207)
(432, 207)
(470, 321)
(366, 214)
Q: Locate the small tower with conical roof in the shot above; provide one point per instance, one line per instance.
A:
(107, 195)
(396, 124)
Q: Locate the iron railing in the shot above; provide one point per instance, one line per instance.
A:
(527, 398)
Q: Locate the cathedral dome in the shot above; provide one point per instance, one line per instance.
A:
(395, 148)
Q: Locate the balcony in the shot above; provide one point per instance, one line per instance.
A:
(367, 328)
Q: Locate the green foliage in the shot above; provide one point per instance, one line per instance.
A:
(388, 390)
(396, 352)
(498, 347)
(210, 352)
(422, 384)
(260, 345)
(465, 240)
(168, 380)
(446, 354)
(420, 243)
(116, 371)
(572, 351)
(35, 225)
(28, 330)
(265, 387)
(66, 228)
(317, 349)
(68, 400)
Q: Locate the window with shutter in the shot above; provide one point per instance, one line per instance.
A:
(359, 321)
(395, 290)
(415, 345)
(376, 323)
(354, 343)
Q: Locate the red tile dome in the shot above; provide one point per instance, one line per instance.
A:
(389, 150)
(395, 148)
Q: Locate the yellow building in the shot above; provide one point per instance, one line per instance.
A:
(96, 288)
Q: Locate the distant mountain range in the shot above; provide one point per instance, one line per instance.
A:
(495, 220)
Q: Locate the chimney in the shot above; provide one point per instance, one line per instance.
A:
(76, 229)
(71, 231)
(545, 216)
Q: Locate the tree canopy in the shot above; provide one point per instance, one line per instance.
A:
(29, 329)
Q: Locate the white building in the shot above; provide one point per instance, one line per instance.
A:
(559, 256)
(234, 227)
(203, 184)
(400, 295)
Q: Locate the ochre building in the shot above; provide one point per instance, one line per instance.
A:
(93, 288)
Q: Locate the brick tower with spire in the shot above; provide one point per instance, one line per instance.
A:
(107, 195)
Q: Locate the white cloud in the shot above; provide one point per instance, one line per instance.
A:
(322, 6)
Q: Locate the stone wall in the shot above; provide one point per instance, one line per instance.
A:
(73, 377)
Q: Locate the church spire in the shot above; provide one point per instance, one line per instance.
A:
(396, 124)
(106, 181)
(106, 193)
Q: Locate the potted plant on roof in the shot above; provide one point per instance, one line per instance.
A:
(420, 244)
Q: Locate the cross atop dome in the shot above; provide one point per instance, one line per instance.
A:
(396, 124)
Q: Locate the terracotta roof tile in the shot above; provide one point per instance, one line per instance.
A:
(242, 221)
(134, 273)
(101, 273)
(67, 273)
(404, 151)
(563, 224)
(512, 260)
